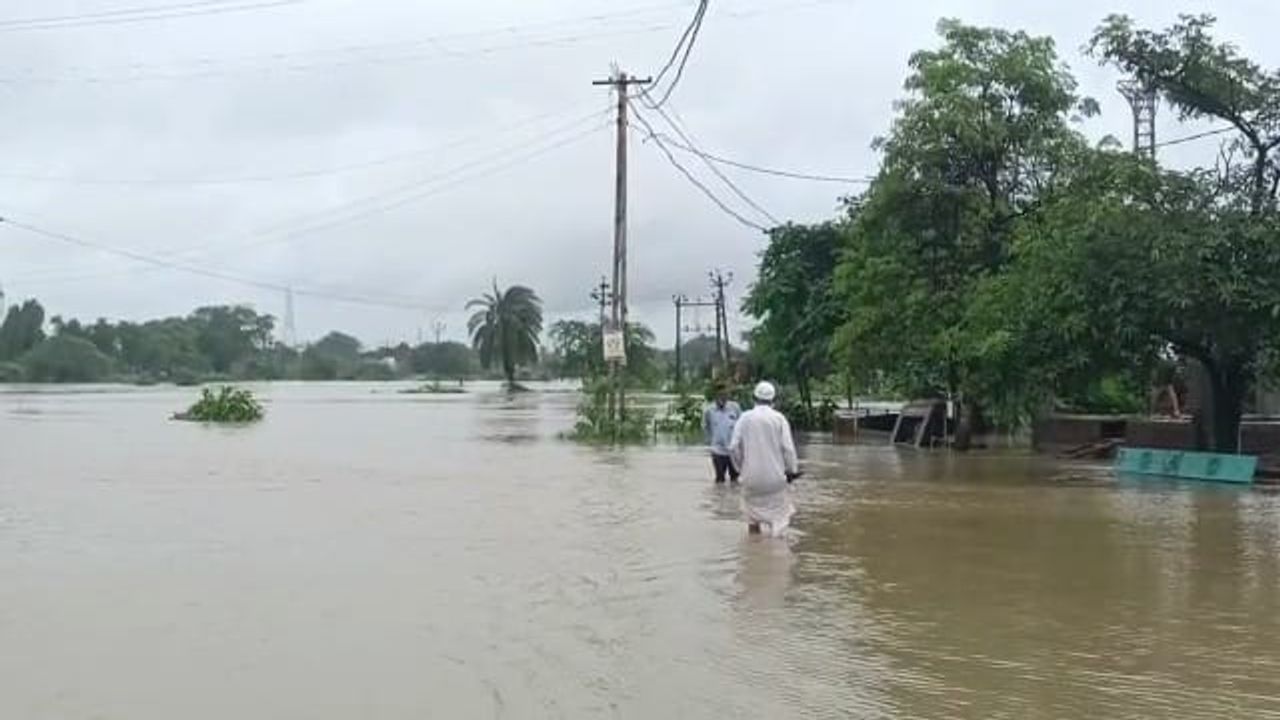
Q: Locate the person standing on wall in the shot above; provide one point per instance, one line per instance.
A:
(718, 420)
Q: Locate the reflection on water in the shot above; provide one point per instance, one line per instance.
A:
(367, 554)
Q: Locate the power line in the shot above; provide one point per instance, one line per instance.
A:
(207, 272)
(358, 55)
(309, 173)
(844, 180)
(681, 53)
(140, 14)
(1197, 136)
(657, 141)
(410, 304)
(712, 167)
(262, 239)
(212, 70)
(579, 31)
(148, 9)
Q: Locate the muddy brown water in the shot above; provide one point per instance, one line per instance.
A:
(364, 554)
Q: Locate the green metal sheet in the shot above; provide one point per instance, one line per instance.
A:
(1213, 467)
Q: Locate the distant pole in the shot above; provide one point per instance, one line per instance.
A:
(679, 300)
(719, 281)
(439, 327)
(621, 83)
(290, 329)
(601, 295)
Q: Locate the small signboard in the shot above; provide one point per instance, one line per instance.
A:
(615, 347)
(1212, 467)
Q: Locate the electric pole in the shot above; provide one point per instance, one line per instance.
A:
(600, 294)
(621, 83)
(719, 281)
(439, 328)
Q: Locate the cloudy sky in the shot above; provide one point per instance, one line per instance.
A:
(388, 158)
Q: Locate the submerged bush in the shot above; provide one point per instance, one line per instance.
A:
(684, 417)
(596, 425)
(228, 405)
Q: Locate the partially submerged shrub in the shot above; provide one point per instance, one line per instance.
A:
(228, 405)
(595, 424)
(684, 417)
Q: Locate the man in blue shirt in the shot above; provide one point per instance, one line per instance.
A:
(718, 420)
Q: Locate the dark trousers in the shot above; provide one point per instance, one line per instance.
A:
(723, 466)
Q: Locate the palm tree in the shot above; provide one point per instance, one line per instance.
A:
(506, 327)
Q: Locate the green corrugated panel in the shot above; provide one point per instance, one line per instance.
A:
(1214, 467)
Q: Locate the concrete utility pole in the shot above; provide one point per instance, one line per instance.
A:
(439, 327)
(719, 281)
(621, 83)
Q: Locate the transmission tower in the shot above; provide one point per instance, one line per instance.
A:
(290, 329)
(1142, 100)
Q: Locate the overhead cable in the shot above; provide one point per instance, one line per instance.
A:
(693, 180)
(139, 15)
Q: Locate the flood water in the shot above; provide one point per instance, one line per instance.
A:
(364, 554)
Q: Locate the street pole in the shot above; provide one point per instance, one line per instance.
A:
(601, 295)
(621, 83)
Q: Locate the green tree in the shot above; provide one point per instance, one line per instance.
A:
(795, 305)
(1224, 309)
(1073, 310)
(983, 134)
(444, 360)
(505, 328)
(579, 347)
(66, 359)
(22, 330)
(333, 357)
(339, 346)
(227, 335)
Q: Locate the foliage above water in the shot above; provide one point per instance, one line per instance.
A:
(577, 351)
(227, 405)
(596, 424)
(683, 418)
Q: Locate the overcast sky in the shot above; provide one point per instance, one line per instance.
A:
(407, 152)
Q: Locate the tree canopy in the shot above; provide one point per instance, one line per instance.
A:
(578, 349)
(506, 327)
(998, 259)
(794, 300)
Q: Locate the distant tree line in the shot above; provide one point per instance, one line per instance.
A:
(219, 342)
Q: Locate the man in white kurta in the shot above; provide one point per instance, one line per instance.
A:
(765, 454)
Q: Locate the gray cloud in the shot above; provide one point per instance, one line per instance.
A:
(798, 85)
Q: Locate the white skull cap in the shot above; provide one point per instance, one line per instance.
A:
(766, 391)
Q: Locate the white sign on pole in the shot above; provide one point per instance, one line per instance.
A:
(615, 347)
